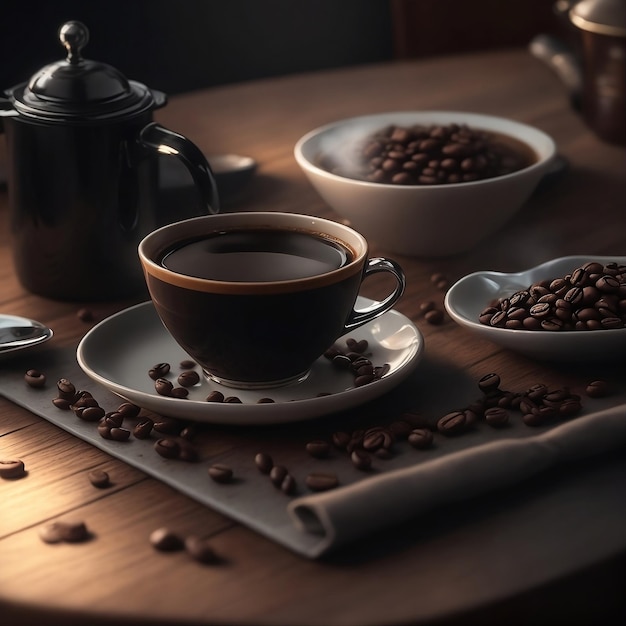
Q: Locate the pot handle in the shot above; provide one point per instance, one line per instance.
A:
(167, 142)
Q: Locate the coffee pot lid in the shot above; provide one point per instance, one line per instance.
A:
(605, 17)
(79, 89)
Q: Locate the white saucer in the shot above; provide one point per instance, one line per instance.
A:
(119, 351)
(470, 295)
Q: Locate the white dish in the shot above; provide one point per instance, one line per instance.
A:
(466, 299)
(120, 350)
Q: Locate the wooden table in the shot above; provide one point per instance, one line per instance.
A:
(118, 576)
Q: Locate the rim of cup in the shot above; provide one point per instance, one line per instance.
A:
(153, 245)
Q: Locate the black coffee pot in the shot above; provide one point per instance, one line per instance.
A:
(83, 185)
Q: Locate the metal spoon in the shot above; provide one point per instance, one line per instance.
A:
(19, 333)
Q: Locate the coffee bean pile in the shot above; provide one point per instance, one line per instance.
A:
(355, 361)
(591, 297)
(278, 474)
(429, 155)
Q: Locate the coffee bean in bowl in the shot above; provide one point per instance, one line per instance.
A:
(403, 178)
(569, 308)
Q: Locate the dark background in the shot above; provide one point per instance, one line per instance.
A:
(180, 45)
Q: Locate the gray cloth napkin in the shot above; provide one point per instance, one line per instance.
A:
(346, 514)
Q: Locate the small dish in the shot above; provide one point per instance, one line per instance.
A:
(119, 351)
(470, 295)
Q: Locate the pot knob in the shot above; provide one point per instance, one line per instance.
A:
(74, 36)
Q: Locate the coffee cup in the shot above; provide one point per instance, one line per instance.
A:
(256, 298)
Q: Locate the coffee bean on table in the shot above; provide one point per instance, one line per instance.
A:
(12, 468)
(489, 382)
(35, 379)
(288, 486)
(434, 317)
(318, 481)
(497, 416)
(597, 389)
(361, 460)
(277, 475)
(453, 423)
(187, 364)
(200, 550)
(99, 478)
(167, 425)
(220, 473)
(264, 462)
(73, 531)
(421, 438)
(318, 448)
(179, 392)
(51, 532)
(66, 389)
(166, 540)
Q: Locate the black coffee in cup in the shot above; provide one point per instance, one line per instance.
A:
(256, 298)
(257, 255)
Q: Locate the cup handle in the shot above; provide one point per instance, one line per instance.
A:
(374, 266)
(168, 142)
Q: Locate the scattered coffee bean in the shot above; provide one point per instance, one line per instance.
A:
(143, 428)
(35, 379)
(489, 382)
(188, 378)
(167, 447)
(421, 438)
(497, 416)
(179, 392)
(277, 475)
(90, 413)
(317, 481)
(453, 423)
(166, 540)
(341, 440)
(215, 396)
(99, 478)
(163, 386)
(289, 485)
(264, 462)
(85, 315)
(318, 448)
(265, 401)
(73, 531)
(51, 532)
(62, 403)
(597, 389)
(357, 346)
(167, 425)
(429, 305)
(221, 473)
(12, 468)
(119, 434)
(66, 389)
(128, 409)
(361, 460)
(200, 550)
(187, 364)
(232, 400)
(434, 317)
(159, 371)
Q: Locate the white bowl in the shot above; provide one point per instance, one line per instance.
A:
(470, 295)
(423, 220)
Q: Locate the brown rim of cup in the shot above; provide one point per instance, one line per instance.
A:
(157, 241)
